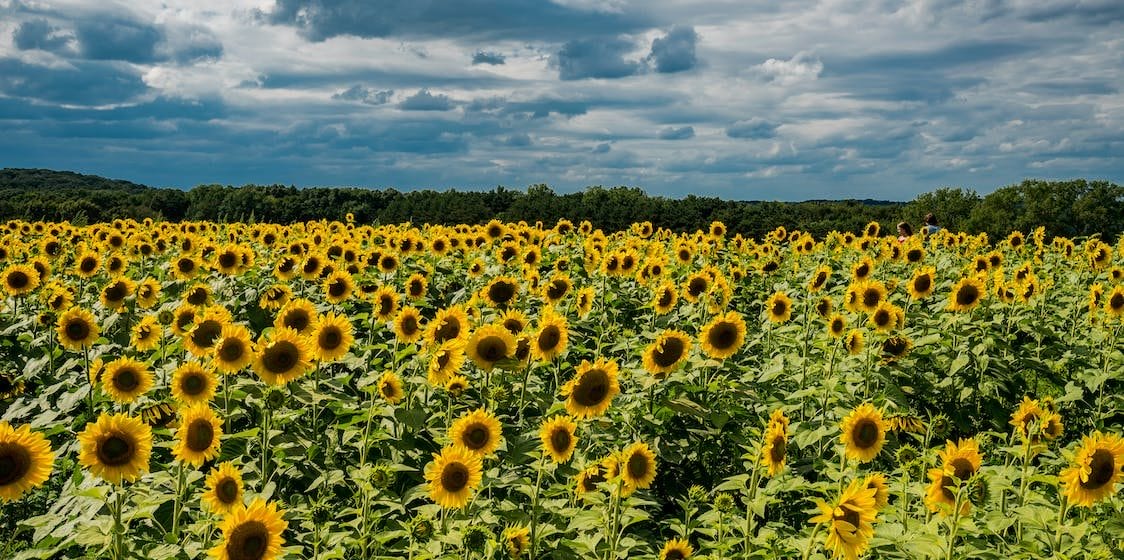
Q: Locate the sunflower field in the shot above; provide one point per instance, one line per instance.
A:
(339, 390)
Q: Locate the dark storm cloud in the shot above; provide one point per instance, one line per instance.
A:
(752, 128)
(674, 52)
(595, 58)
(480, 19)
(83, 83)
(38, 33)
(366, 95)
(681, 133)
(487, 57)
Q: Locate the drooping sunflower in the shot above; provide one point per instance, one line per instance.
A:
(26, 461)
(516, 541)
(478, 432)
(299, 315)
(1098, 465)
(863, 269)
(590, 392)
(193, 384)
(233, 350)
(676, 549)
(282, 357)
(76, 328)
(199, 435)
(251, 532)
(779, 307)
(723, 336)
(959, 462)
(116, 447)
(331, 337)
(551, 338)
(390, 387)
(819, 278)
(20, 279)
(147, 333)
(667, 353)
(895, 347)
(125, 379)
(489, 344)
(966, 294)
(559, 438)
(864, 433)
(448, 324)
(824, 307)
(638, 466)
(854, 342)
(849, 521)
(584, 302)
(452, 476)
(664, 298)
(1026, 419)
(408, 325)
(774, 446)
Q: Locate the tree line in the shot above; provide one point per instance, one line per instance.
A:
(1071, 208)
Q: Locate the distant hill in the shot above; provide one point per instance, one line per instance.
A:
(48, 179)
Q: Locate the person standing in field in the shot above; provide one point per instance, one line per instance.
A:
(931, 226)
(905, 231)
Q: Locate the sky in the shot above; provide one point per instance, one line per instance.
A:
(741, 99)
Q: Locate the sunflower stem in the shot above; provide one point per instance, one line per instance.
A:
(1063, 508)
(177, 506)
(118, 526)
(954, 523)
(811, 542)
(535, 504)
(266, 420)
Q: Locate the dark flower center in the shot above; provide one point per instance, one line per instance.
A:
(776, 453)
(476, 436)
(330, 338)
(280, 357)
(592, 388)
(922, 283)
(297, 319)
(549, 338)
(967, 295)
(638, 465)
(18, 279)
(491, 348)
(1102, 466)
(116, 450)
(454, 477)
(15, 462)
(200, 435)
(206, 333)
(865, 434)
(669, 352)
(227, 490)
(249, 541)
(77, 329)
(231, 350)
(127, 380)
(560, 440)
(723, 335)
(193, 384)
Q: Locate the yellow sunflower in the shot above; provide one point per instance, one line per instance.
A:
(282, 357)
(559, 438)
(416, 286)
(116, 447)
(201, 339)
(478, 432)
(501, 292)
(922, 283)
(666, 353)
(452, 476)
(638, 466)
(959, 462)
(1026, 419)
(456, 385)
(966, 294)
(676, 549)
(864, 433)
(199, 435)
(854, 342)
(224, 488)
(664, 298)
(275, 297)
(445, 362)
(76, 328)
(20, 279)
(773, 448)
(1098, 465)
(408, 325)
(193, 384)
(1114, 302)
(26, 461)
(849, 521)
(877, 481)
(551, 338)
(125, 379)
(836, 325)
(590, 392)
(147, 333)
(723, 336)
(233, 350)
(779, 308)
(819, 278)
(338, 286)
(390, 387)
(331, 337)
(251, 533)
(584, 302)
(448, 324)
(516, 540)
(490, 344)
(299, 315)
(884, 317)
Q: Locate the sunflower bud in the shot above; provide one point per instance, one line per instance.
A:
(979, 491)
(906, 454)
(382, 476)
(421, 527)
(476, 538)
(275, 399)
(724, 502)
(165, 317)
(696, 493)
(940, 426)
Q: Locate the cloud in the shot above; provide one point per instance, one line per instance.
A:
(106, 35)
(602, 148)
(425, 101)
(674, 52)
(672, 133)
(755, 128)
(595, 58)
(366, 95)
(39, 34)
(82, 83)
(488, 57)
(801, 67)
(518, 140)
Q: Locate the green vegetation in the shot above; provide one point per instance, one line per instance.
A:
(1070, 208)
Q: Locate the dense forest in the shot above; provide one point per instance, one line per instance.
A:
(1071, 208)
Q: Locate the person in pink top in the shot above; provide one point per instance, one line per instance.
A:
(904, 231)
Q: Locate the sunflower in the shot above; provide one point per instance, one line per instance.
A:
(445, 361)
(824, 307)
(198, 295)
(557, 288)
(389, 387)
(116, 447)
(850, 520)
(676, 549)
(559, 438)
(895, 347)
(199, 435)
(836, 325)
(338, 286)
(959, 462)
(87, 264)
(819, 278)
(20, 279)
(773, 448)
(884, 317)
(779, 307)
(233, 350)
(584, 302)
(666, 353)
(299, 315)
(331, 337)
(275, 297)
(877, 481)
(1098, 465)
(478, 432)
(76, 328)
(966, 294)
(147, 334)
(590, 392)
(193, 384)
(500, 292)
(26, 461)
(490, 344)
(664, 298)
(869, 294)
(416, 286)
(863, 269)
(723, 335)
(183, 320)
(447, 324)
(1114, 303)
(251, 533)
(864, 433)
(283, 357)
(638, 466)
(407, 325)
(696, 285)
(551, 338)
(452, 476)
(922, 283)
(516, 540)
(1026, 419)
(125, 379)
(854, 342)
(456, 385)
